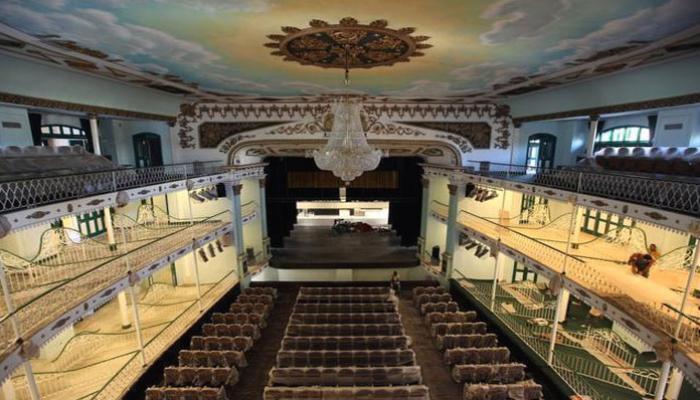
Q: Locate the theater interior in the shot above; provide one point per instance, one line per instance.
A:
(338, 200)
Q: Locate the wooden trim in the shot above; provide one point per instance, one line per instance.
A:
(83, 108)
(616, 108)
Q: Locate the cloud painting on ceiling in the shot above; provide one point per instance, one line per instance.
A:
(477, 45)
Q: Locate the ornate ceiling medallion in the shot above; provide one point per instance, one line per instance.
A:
(324, 44)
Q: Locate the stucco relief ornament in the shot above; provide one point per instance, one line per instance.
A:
(323, 44)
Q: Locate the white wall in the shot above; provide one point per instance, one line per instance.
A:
(673, 78)
(571, 139)
(29, 78)
(116, 138)
(21, 136)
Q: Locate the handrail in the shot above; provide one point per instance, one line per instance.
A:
(35, 312)
(27, 193)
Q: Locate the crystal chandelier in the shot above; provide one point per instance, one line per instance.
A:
(347, 153)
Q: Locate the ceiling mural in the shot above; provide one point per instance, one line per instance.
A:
(217, 50)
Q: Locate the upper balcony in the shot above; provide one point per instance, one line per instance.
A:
(29, 201)
(666, 200)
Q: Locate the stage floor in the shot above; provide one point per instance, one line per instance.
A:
(319, 247)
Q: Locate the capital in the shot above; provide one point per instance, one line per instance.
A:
(452, 188)
(237, 189)
(426, 183)
(262, 182)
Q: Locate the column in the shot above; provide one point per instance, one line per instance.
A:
(235, 195)
(514, 141)
(8, 390)
(31, 381)
(137, 320)
(501, 260)
(123, 310)
(451, 237)
(574, 228)
(424, 218)
(592, 132)
(663, 380)
(96, 149)
(675, 383)
(263, 218)
(559, 313)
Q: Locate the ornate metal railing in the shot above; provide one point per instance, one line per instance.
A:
(667, 193)
(37, 308)
(27, 193)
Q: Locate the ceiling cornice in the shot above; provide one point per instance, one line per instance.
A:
(693, 98)
(36, 102)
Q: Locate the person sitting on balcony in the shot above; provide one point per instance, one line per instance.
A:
(641, 264)
(654, 252)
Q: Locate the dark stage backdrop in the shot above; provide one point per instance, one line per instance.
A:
(396, 180)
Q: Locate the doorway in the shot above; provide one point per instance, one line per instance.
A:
(147, 150)
(540, 152)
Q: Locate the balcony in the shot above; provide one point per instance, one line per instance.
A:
(47, 289)
(598, 267)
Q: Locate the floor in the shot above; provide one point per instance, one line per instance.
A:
(262, 357)
(319, 247)
(436, 375)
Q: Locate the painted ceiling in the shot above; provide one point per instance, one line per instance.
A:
(478, 46)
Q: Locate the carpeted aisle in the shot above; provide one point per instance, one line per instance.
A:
(436, 375)
(262, 357)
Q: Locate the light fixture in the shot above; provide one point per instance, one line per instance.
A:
(347, 153)
(196, 197)
(203, 255)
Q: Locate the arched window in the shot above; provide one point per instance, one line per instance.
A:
(624, 136)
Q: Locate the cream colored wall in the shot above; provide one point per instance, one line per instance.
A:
(436, 234)
(473, 267)
(438, 189)
(209, 272)
(252, 231)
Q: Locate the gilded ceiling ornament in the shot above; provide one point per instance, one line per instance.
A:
(324, 45)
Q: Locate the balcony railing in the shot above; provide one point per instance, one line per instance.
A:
(667, 193)
(39, 304)
(27, 193)
(650, 313)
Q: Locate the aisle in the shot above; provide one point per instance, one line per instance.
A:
(262, 357)
(436, 375)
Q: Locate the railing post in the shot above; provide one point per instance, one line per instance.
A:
(134, 302)
(688, 286)
(263, 218)
(8, 301)
(496, 275)
(196, 275)
(561, 297)
(31, 381)
(137, 320)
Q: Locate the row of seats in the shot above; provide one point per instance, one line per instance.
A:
(345, 290)
(344, 298)
(215, 358)
(346, 343)
(358, 318)
(473, 354)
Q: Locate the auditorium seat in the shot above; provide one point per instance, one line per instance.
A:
(231, 330)
(345, 343)
(344, 330)
(238, 318)
(357, 318)
(448, 306)
(488, 355)
(194, 376)
(445, 342)
(239, 343)
(345, 376)
(513, 391)
(457, 328)
(412, 392)
(212, 358)
(345, 308)
(490, 373)
(185, 393)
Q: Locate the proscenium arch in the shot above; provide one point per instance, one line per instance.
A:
(296, 147)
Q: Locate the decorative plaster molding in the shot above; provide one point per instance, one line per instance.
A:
(83, 108)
